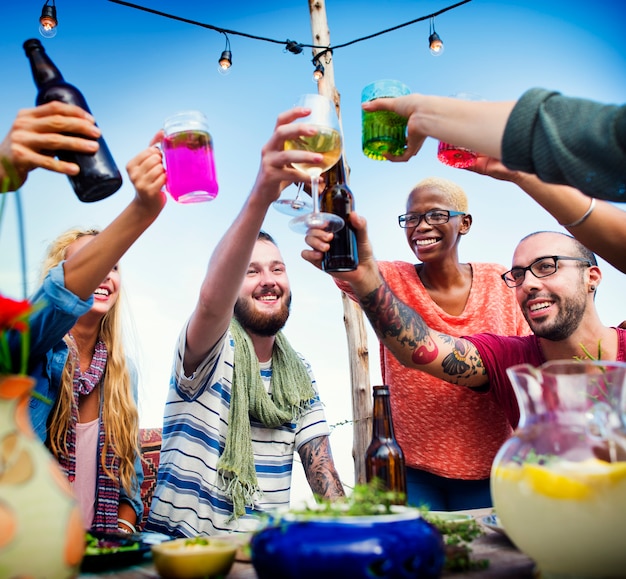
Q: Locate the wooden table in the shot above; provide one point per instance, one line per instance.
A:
(505, 561)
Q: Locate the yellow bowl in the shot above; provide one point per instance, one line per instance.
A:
(194, 558)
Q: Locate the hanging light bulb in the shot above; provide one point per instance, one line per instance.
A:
(434, 41)
(226, 60)
(318, 73)
(48, 20)
(436, 44)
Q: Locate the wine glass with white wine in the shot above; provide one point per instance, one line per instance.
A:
(326, 141)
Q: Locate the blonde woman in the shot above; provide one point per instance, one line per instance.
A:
(84, 405)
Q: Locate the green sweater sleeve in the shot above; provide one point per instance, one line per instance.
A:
(571, 141)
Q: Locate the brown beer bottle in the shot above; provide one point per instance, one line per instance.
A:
(337, 198)
(384, 459)
(99, 176)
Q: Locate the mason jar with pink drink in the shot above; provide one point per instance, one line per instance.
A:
(189, 162)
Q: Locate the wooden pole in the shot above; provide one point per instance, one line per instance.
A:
(352, 315)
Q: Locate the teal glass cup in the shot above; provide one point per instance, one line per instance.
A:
(383, 132)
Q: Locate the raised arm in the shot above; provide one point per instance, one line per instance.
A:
(319, 468)
(477, 125)
(401, 329)
(38, 131)
(535, 134)
(86, 269)
(603, 230)
(230, 259)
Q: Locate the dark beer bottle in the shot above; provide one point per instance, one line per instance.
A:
(99, 177)
(384, 459)
(337, 198)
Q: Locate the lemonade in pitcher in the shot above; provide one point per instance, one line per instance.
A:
(560, 512)
(559, 484)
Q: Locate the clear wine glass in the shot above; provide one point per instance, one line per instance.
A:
(298, 205)
(326, 141)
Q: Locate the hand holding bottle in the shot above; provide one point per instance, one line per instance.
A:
(338, 199)
(99, 176)
(366, 276)
(38, 131)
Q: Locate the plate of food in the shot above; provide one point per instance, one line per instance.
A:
(112, 550)
(493, 522)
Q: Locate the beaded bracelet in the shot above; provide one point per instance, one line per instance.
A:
(592, 206)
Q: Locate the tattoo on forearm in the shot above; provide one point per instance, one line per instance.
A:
(463, 361)
(391, 318)
(394, 320)
(320, 469)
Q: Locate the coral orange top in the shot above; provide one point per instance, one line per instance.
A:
(451, 431)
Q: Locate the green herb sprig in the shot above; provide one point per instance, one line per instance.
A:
(365, 500)
(457, 536)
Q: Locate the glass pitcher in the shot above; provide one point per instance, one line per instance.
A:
(559, 484)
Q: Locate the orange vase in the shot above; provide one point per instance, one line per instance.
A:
(41, 529)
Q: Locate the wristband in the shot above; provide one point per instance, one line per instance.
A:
(128, 524)
(592, 206)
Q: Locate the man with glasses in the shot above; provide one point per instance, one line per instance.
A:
(554, 278)
(449, 435)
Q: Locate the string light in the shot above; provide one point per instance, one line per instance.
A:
(48, 22)
(226, 60)
(434, 42)
(318, 72)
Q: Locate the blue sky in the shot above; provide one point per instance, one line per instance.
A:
(136, 68)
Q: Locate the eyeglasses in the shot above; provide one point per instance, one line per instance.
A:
(432, 217)
(541, 267)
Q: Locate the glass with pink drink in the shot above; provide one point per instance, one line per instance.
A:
(188, 151)
(453, 155)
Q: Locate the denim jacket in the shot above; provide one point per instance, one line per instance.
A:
(57, 311)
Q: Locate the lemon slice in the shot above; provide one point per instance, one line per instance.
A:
(573, 480)
(555, 485)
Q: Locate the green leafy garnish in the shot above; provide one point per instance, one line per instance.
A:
(365, 499)
(457, 536)
(197, 541)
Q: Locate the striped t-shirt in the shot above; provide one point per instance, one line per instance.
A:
(190, 498)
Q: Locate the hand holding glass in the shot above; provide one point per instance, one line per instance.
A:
(326, 141)
(384, 132)
(188, 151)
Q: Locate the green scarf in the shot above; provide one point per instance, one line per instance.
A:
(292, 393)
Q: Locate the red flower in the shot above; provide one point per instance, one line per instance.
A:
(14, 316)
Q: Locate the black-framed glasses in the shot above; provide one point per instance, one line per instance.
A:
(432, 217)
(541, 267)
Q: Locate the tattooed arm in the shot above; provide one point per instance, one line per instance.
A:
(319, 468)
(400, 328)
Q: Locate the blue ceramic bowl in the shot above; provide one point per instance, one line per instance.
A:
(401, 545)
